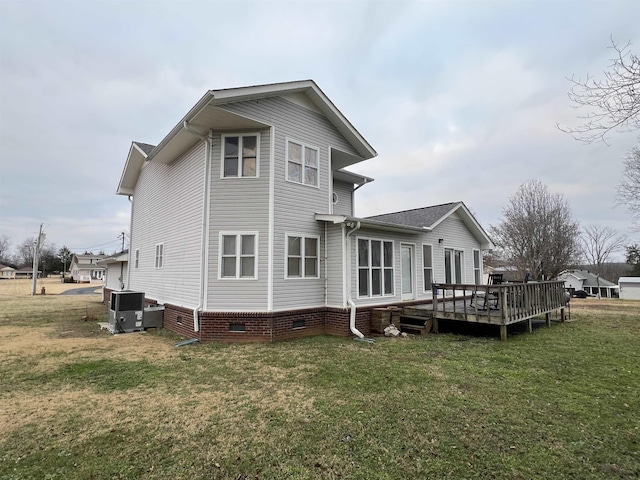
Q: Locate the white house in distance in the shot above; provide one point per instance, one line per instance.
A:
(116, 271)
(7, 273)
(243, 226)
(85, 268)
(629, 288)
(575, 280)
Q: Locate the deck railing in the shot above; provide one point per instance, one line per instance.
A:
(509, 302)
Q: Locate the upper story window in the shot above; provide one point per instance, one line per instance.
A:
(302, 163)
(302, 257)
(159, 255)
(238, 257)
(240, 156)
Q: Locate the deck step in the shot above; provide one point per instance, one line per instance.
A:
(415, 324)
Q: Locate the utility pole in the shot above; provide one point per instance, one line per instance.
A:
(36, 253)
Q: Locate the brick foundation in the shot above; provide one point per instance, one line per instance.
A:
(230, 327)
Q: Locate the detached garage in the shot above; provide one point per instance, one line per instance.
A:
(629, 288)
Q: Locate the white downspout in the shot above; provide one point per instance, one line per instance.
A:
(352, 314)
(208, 144)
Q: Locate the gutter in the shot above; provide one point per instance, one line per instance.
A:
(205, 223)
(352, 305)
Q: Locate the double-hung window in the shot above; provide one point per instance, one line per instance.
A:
(240, 156)
(375, 267)
(302, 257)
(136, 261)
(477, 272)
(159, 255)
(238, 257)
(427, 266)
(302, 163)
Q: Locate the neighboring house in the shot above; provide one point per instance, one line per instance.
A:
(243, 226)
(575, 280)
(629, 288)
(509, 274)
(116, 269)
(7, 273)
(25, 272)
(85, 268)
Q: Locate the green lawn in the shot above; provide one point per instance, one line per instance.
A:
(561, 402)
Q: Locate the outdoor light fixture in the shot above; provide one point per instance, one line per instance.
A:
(440, 240)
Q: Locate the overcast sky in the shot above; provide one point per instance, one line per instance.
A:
(460, 98)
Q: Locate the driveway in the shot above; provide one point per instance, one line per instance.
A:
(82, 291)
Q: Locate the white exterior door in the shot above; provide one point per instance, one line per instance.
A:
(408, 288)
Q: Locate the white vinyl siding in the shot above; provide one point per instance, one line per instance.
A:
(296, 204)
(427, 267)
(238, 259)
(240, 156)
(302, 256)
(344, 192)
(167, 208)
(239, 205)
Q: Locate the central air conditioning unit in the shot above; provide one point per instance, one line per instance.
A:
(126, 312)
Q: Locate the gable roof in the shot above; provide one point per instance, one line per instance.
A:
(417, 220)
(430, 217)
(206, 114)
(589, 279)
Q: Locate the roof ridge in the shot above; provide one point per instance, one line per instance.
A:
(414, 209)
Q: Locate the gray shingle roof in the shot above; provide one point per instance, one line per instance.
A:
(590, 279)
(418, 217)
(146, 148)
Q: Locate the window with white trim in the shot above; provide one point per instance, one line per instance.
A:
(240, 155)
(238, 257)
(427, 266)
(302, 257)
(477, 272)
(453, 265)
(302, 163)
(375, 268)
(159, 255)
(136, 261)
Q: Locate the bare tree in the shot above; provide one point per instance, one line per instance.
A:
(538, 233)
(629, 188)
(25, 251)
(5, 244)
(613, 102)
(598, 243)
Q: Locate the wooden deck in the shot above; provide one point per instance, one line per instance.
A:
(500, 305)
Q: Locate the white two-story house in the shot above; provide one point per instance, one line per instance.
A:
(243, 223)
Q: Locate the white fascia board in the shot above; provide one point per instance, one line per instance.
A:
(364, 223)
(328, 217)
(351, 177)
(202, 103)
(132, 166)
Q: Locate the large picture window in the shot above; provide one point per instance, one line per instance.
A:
(375, 268)
(302, 163)
(238, 257)
(240, 156)
(302, 257)
(427, 267)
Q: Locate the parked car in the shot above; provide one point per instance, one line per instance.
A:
(581, 294)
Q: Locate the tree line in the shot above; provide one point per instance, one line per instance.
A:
(51, 258)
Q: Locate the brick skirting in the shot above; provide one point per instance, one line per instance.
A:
(265, 327)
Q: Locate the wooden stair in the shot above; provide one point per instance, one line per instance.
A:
(415, 324)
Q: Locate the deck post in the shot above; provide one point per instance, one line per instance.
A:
(562, 314)
(529, 325)
(503, 333)
(547, 319)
